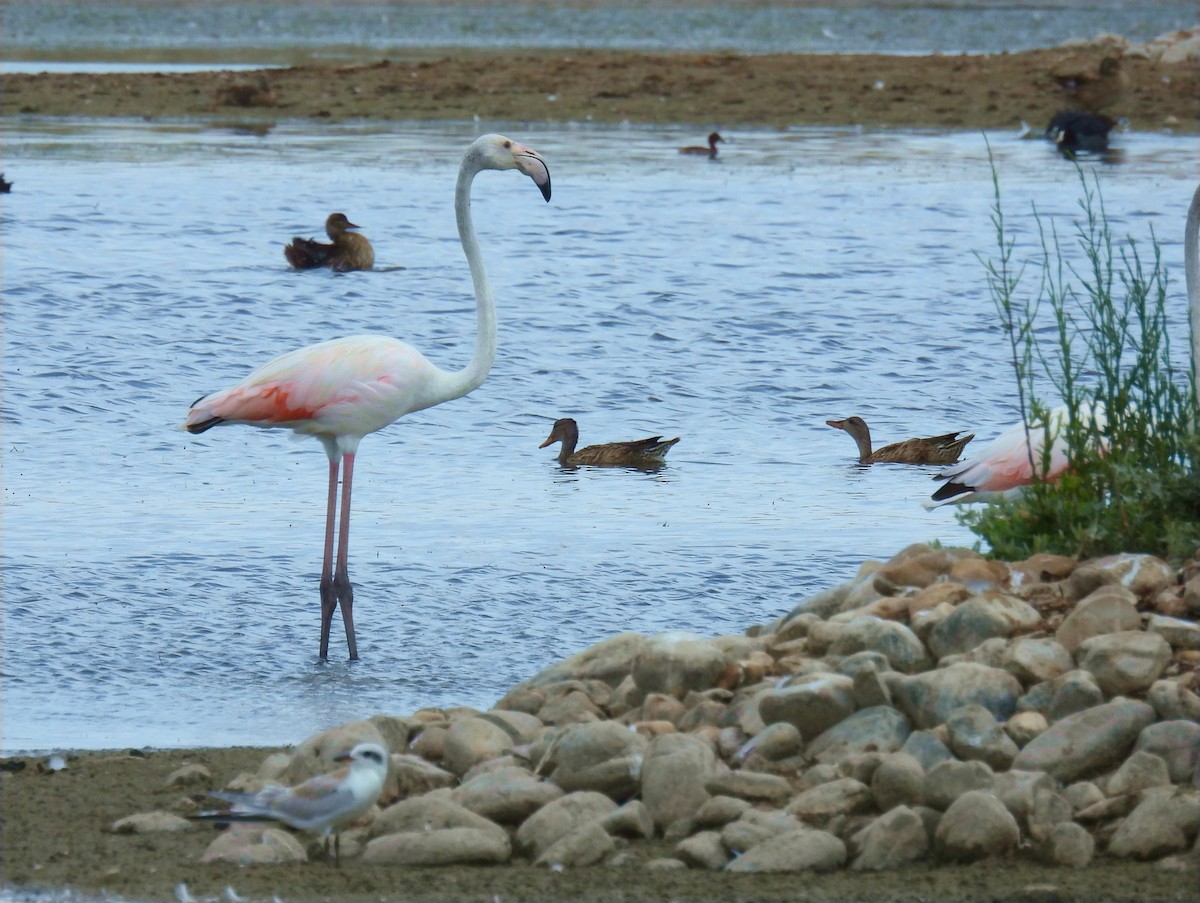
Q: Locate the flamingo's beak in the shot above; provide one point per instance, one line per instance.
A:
(531, 163)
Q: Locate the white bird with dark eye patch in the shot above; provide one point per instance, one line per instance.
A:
(325, 804)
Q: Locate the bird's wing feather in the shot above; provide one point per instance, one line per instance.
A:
(1004, 463)
(370, 373)
(306, 806)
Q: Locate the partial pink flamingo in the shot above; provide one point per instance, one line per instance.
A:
(1002, 467)
(341, 390)
(1191, 269)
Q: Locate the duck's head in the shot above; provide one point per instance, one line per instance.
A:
(337, 223)
(855, 426)
(564, 430)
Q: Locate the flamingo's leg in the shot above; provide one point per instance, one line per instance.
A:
(328, 597)
(343, 591)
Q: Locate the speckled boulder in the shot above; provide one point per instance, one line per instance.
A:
(797, 851)
(254, 845)
(1087, 742)
(976, 826)
(1124, 663)
(929, 699)
(676, 663)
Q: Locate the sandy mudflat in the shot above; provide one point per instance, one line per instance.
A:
(997, 91)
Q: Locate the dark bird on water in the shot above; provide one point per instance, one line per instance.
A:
(347, 251)
(710, 151)
(943, 449)
(642, 453)
(1074, 130)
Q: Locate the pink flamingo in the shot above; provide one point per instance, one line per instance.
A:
(1191, 269)
(341, 390)
(1002, 467)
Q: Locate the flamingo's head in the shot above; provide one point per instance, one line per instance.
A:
(498, 152)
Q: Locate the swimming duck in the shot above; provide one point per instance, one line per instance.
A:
(710, 151)
(349, 251)
(5, 185)
(1073, 130)
(644, 453)
(933, 450)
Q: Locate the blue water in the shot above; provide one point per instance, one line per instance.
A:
(301, 30)
(160, 589)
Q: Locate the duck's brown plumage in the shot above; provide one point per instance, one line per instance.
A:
(943, 449)
(638, 453)
(348, 251)
(710, 151)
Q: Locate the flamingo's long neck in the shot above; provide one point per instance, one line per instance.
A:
(460, 382)
(1191, 269)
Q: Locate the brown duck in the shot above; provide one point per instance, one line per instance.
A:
(933, 450)
(348, 251)
(644, 453)
(710, 151)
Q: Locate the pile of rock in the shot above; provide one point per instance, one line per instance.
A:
(939, 705)
(1181, 46)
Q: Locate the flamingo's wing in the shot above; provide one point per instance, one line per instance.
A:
(354, 385)
(1004, 464)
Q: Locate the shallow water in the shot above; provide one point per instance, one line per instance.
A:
(271, 32)
(160, 589)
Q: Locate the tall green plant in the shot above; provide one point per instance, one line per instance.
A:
(1130, 426)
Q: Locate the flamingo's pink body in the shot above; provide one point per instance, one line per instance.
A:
(341, 390)
(1012, 460)
(337, 391)
(1003, 466)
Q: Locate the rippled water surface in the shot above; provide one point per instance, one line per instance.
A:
(160, 588)
(297, 30)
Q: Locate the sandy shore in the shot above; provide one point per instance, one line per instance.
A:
(54, 836)
(997, 91)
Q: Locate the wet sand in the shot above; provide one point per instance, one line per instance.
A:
(54, 836)
(722, 91)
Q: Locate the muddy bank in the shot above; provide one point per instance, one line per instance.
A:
(719, 90)
(54, 837)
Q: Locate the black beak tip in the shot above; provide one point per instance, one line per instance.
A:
(546, 188)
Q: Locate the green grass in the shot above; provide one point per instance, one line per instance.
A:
(1108, 351)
